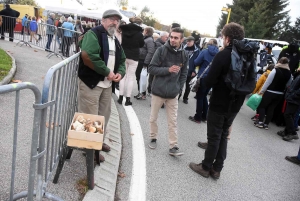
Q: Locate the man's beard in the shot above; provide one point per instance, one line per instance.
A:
(111, 30)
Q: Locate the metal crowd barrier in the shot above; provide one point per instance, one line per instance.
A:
(53, 112)
(59, 44)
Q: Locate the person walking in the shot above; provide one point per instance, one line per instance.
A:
(132, 40)
(203, 60)
(219, 117)
(294, 159)
(24, 21)
(102, 62)
(50, 31)
(169, 66)
(68, 29)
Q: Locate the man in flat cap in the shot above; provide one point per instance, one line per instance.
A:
(102, 63)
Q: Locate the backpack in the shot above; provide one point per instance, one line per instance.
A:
(241, 76)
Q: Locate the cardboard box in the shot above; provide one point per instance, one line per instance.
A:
(82, 139)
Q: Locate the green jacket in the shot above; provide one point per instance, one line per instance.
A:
(90, 45)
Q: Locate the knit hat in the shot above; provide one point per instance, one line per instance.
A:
(190, 38)
(110, 13)
(136, 20)
(174, 25)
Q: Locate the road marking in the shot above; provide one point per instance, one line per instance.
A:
(138, 177)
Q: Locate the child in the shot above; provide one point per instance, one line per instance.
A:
(33, 29)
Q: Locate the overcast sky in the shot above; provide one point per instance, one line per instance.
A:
(192, 14)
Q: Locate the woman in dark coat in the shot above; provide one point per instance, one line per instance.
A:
(132, 40)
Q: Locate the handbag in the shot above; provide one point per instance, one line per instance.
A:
(254, 101)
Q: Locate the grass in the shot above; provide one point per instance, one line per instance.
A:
(5, 64)
(82, 187)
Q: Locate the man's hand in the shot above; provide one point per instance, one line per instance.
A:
(193, 74)
(111, 76)
(117, 77)
(174, 69)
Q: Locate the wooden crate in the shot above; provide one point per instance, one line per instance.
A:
(82, 139)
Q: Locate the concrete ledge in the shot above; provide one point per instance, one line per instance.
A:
(12, 71)
(106, 174)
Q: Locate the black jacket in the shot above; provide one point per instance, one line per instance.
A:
(293, 92)
(221, 100)
(9, 17)
(132, 40)
(292, 52)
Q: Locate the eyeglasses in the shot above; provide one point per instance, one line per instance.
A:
(112, 19)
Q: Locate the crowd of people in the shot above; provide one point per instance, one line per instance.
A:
(118, 53)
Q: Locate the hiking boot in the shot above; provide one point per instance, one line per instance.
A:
(128, 101)
(199, 169)
(214, 174)
(194, 120)
(281, 133)
(175, 152)
(290, 137)
(120, 100)
(203, 145)
(152, 144)
(293, 159)
(185, 101)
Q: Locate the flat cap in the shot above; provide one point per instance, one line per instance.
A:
(110, 13)
(190, 38)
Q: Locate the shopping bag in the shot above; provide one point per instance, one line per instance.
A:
(193, 82)
(143, 80)
(254, 101)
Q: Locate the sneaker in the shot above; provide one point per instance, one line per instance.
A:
(194, 120)
(266, 126)
(259, 125)
(152, 144)
(175, 152)
(293, 159)
(290, 137)
(255, 118)
(185, 101)
(281, 133)
(141, 97)
(214, 174)
(199, 169)
(137, 95)
(203, 145)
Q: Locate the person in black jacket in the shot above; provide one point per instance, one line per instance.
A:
(9, 21)
(292, 98)
(220, 117)
(132, 41)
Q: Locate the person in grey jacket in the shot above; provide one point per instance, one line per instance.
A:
(50, 31)
(169, 67)
(146, 54)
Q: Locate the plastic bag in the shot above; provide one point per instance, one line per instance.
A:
(193, 82)
(254, 101)
(143, 80)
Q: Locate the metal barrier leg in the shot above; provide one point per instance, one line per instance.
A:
(90, 168)
(61, 163)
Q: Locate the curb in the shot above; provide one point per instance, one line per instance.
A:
(12, 71)
(106, 174)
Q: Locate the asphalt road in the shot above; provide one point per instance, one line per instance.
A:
(255, 168)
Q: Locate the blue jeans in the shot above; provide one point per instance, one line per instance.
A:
(50, 37)
(296, 118)
(202, 103)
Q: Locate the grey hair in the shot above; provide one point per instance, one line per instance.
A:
(70, 19)
(52, 14)
(164, 33)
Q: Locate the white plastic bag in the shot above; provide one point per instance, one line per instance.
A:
(193, 82)
(143, 80)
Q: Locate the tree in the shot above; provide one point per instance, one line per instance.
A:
(122, 3)
(259, 18)
(27, 2)
(147, 17)
(289, 33)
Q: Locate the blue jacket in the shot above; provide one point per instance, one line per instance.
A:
(33, 26)
(24, 21)
(192, 66)
(70, 26)
(205, 57)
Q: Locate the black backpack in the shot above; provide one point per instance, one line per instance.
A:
(241, 76)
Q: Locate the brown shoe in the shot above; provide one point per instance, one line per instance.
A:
(203, 145)
(198, 168)
(105, 147)
(101, 158)
(214, 174)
